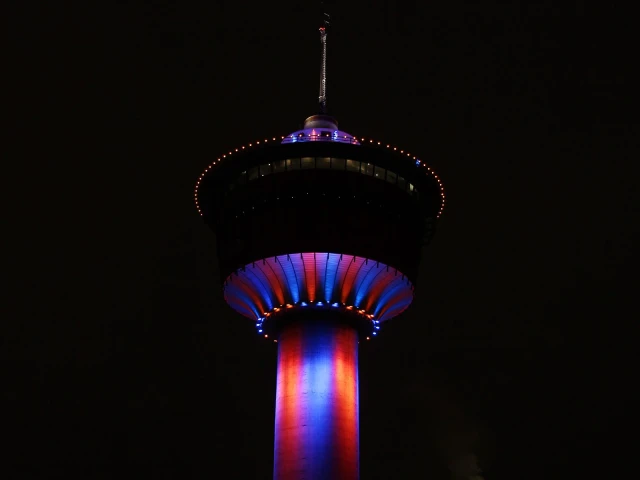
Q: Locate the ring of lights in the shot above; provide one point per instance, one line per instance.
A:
(420, 165)
(278, 319)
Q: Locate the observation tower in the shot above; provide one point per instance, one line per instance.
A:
(319, 235)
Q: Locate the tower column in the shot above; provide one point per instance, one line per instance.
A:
(316, 422)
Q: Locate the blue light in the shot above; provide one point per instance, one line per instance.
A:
(291, 280)
(366, 275)
(319, 135)
(331, 270)
(319, 380)
(319, 304)
(259, 281)
(335, 304)
(377, 327)
(383, 301)
(417, 162)
(375, 333)
(303, 304)
(260, 331)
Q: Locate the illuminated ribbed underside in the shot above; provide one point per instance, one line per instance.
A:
(305, 279)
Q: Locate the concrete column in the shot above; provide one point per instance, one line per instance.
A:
(316, 428)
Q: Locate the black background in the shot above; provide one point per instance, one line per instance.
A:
(123, 358)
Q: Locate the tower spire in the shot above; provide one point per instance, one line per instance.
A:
(322, 99)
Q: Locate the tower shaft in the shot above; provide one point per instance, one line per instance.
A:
(316, 423)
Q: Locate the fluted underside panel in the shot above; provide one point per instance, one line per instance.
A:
(316, 424)
(307, 279)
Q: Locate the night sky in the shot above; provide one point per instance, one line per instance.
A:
(124, 358)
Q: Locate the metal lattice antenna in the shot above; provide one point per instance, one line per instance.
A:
(322, 99)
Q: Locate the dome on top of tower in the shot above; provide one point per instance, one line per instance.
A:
(320, 128)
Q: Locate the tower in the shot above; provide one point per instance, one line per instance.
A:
(319, 235)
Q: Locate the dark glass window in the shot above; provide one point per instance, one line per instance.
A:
(366, 168)
(242, 179)
(265, 169)
(353, 165)
(323, 162)
(379, 173)
(279, 166)
(337, 163)
(307, 162)
(402, 183)
(293, 164)
(253, 173)
(391, 176)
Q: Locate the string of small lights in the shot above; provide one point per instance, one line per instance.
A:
(375, 324)
(419, 163)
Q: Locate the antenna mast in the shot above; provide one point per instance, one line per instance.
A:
(322, 99)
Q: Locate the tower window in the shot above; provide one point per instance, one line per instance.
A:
(323, 162)
(265, 169)
(391, 177)
(337, 163)
(353, 165)
(307, 162)
(279, 166)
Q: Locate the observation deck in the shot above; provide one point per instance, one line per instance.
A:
(321, 220)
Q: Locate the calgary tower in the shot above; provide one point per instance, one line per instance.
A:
(319, 235)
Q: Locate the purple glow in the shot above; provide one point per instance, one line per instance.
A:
(320, 135)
